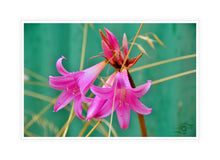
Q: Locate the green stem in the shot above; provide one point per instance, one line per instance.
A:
(140, 117)
(162, 62)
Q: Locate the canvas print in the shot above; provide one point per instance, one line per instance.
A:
(109, 79)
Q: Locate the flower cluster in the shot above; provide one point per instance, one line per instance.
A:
(116, 94)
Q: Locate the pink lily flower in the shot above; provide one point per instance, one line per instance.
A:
(123, 98)
(75, 85)
(97, 104)
(112, 50)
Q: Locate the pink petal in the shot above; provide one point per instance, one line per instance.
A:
(106, 50)
(122, 80)
(127, 83)
(65, 98)
(110, 80)
(95, 106)
(125, 44)
(60, 67)
(98, 102)
(142, 90)
(106, 109)
(112, 39)
(123, 114)
(64, 82)
(133, 61)
(89, 76)
(86, 99)
(139, 107)
(78, 108)
(104, 93)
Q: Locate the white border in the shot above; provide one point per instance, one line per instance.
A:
(109, 138)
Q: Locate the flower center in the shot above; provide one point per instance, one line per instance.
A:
(75, 91)
(123, 95)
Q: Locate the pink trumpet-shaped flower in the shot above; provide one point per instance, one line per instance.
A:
(75, 85)
(122, 97)
(112, 50)
(97, 103)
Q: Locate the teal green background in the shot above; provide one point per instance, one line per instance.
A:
(173, 102)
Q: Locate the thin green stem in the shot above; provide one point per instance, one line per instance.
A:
(36, 83)
(69, 121)
(35, 118)
(161, 62)
(113, 105)
(85, 30)
(173, 77)
(84, 128)
(112, 128)
(90, 132)
(64, 126)
(38, 95)
(35, 75)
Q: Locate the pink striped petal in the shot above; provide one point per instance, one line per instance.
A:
(94, 107)
(112, 39)
(121, 80)
(98, 102)
(123, 114)
(125, 44)
(139, 107)
(106, 109)
(78, 108)
(106, 50)
(60, 67)
(127, 83)
(64, 82)
(104, 93)
(65, 98)
(141, 90)
(86, 99)
(89, 76)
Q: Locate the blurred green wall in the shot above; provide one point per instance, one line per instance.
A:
(173, 102)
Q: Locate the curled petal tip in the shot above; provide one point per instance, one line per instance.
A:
(60, 67)
(63, 57)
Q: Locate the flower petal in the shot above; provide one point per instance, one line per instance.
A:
(106, 109)
(106, 50)
(112, 39)
(104, 93)
(95, 106)
(60, 67)
(110, 80)
(86, 99)
(123, 114)
(125, 44)
(127, 83)
(133, 61)
(64, 82)
(98, 102)
(122, 81)
(141, 90)
(65, 98)
(78, 108)
(139, 107)
(89, 76)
